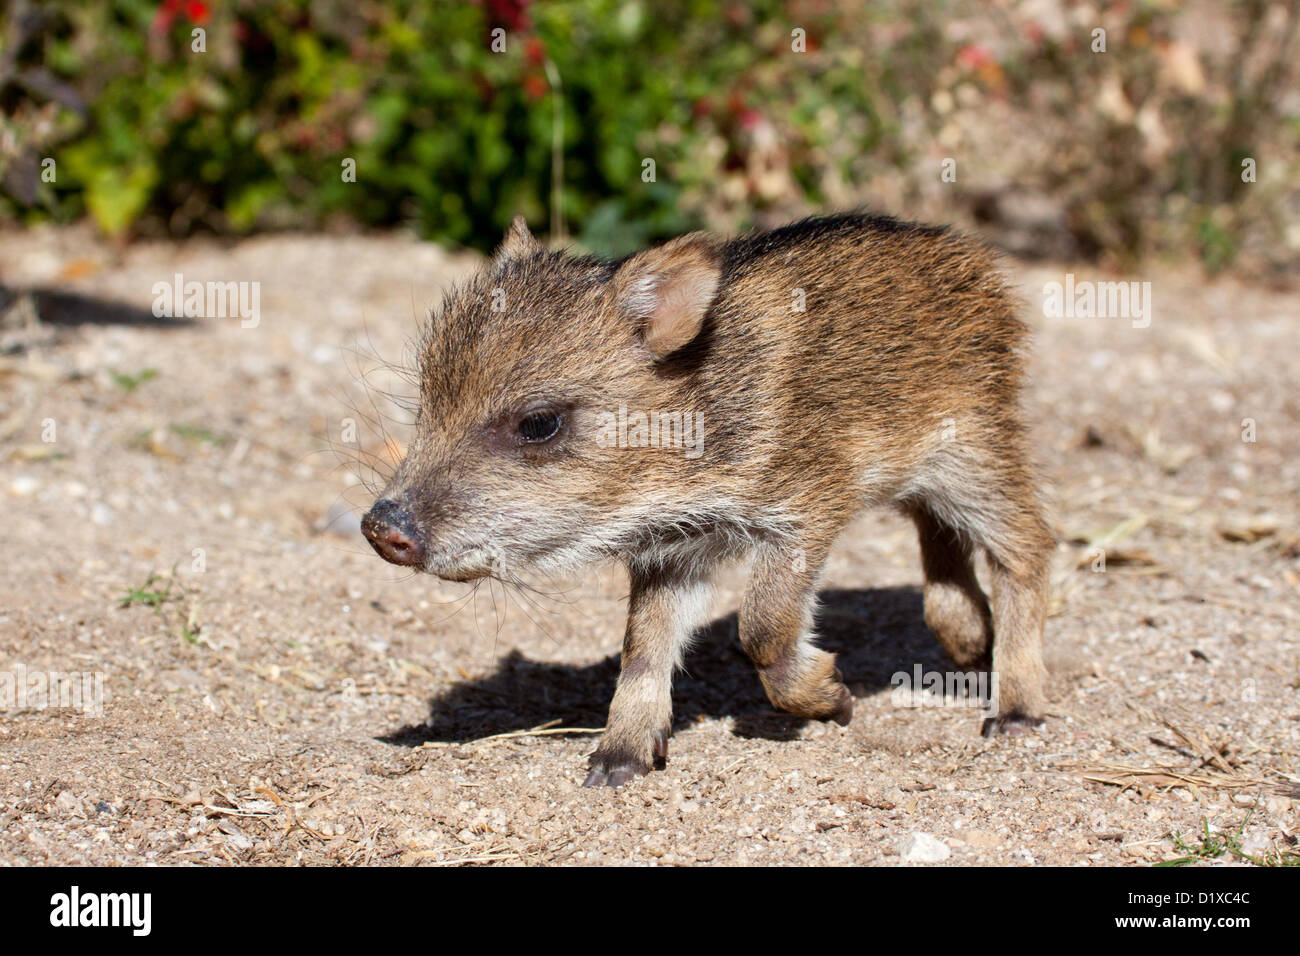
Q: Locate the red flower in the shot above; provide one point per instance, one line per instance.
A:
(164, 15)
(985, 67)
(535, 87)
(511, 14)
(534, 50)
(974, 56)
(196, 11)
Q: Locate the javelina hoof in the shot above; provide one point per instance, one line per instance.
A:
(1012, 724)
(615, 769)
(613, 776)
(844, 713)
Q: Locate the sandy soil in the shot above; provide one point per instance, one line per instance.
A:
(282, 696)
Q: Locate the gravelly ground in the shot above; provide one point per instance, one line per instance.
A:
(299, 701)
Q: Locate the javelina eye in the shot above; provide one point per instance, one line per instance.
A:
(540, 426)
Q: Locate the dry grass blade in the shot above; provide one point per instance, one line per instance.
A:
(212, 808)
(1162, 778)
(1209, 753)
(463, 861)
(1217, 768)
(541, 730)
(496, 853)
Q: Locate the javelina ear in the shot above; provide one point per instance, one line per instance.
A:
(518, 243)
(667, 291)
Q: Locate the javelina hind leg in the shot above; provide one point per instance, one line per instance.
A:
(956, 609)
(776, 632)
(1020, 552)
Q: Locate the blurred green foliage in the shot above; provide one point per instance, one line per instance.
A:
(447, 135)
(1136, 149)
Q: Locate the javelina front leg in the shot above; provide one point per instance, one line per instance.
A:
(776, 632)
(664, 608)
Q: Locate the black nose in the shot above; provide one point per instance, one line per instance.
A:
(392, 532)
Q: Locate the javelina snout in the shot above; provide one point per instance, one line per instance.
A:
(394, 534)
(413, 528)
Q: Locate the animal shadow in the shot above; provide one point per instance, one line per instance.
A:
(64, 308)
(875, 632)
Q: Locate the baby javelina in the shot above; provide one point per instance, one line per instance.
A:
(708, 400)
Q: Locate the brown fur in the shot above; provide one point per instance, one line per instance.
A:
(898, 385)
